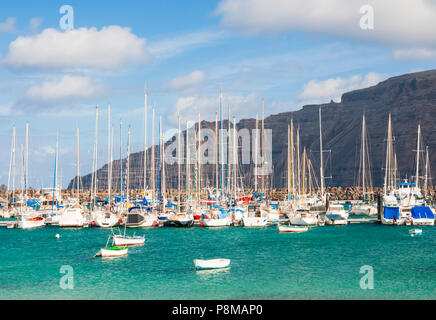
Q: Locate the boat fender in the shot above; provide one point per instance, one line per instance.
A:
(202, 224)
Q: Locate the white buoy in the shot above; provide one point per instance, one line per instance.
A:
(57, 236)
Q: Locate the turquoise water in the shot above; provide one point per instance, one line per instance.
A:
(323, 263)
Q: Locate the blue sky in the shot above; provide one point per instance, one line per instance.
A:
(290, 53)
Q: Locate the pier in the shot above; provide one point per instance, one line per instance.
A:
(8, 224)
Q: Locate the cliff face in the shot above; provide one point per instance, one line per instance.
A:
(410, 98)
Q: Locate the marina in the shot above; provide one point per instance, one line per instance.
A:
(223, 150)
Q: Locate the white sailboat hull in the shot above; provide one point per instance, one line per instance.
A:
(72, 219)
(304, 221)
(284, 228)
(217, 222)
(30, 224)
(122, 241)
(106, 253)
(211, 264)
(254, 221)
(339, 222)
(103, 221)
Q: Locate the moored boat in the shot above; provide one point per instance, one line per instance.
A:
(289, 228)
(112, 252)
(123, 240)
(211, 264)
(29, 222)
(336, 220)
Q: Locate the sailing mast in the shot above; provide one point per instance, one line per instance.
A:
(188, 163)
(11, 169)
(153, 182)
(179, 160)
(199, 159)
(256, 143)
(417, 157)
(427, 171)
(288, 176)
(221, 146)
(303, 189)
(321, 169)
(291, 165)
(262, 142)
(363, 156)
(121, 160)
(163, 165)
(298, 168)
(228, 150)
(109, 132)
(55, 173)
(26, 182)
(77, 166)
(235, 158)
(94, 158)
(22, 179)
(128, 164)
(216, 154)
(145, 142)
(388, 183)
(110, 165)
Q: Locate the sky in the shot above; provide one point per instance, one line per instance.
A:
(288, 52)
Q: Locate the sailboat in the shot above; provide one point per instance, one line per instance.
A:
(364, 208)
(9, 211)
(301, 214)
(211, 264)
(138, 215)
(125, 240)
(27, 217)
(105, 217)
(216, 217)
(74, 216)
(113, 251)
(422, 215)
(391, 210)
(289, 228)
(183, 219)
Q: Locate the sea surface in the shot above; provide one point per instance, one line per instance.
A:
(323, 263)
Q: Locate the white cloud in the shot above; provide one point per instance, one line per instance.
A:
(35, 23)
(67, 88)
(190, 106)
(192, 79)
(172, 46)
(332, 89)
(111, 47)
(48, 150)
(395, 21)
(415, 54)
(8, 25)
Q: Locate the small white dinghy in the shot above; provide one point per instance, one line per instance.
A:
(112, 252)
(289, 228)
(211, 264)
(123, 240)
